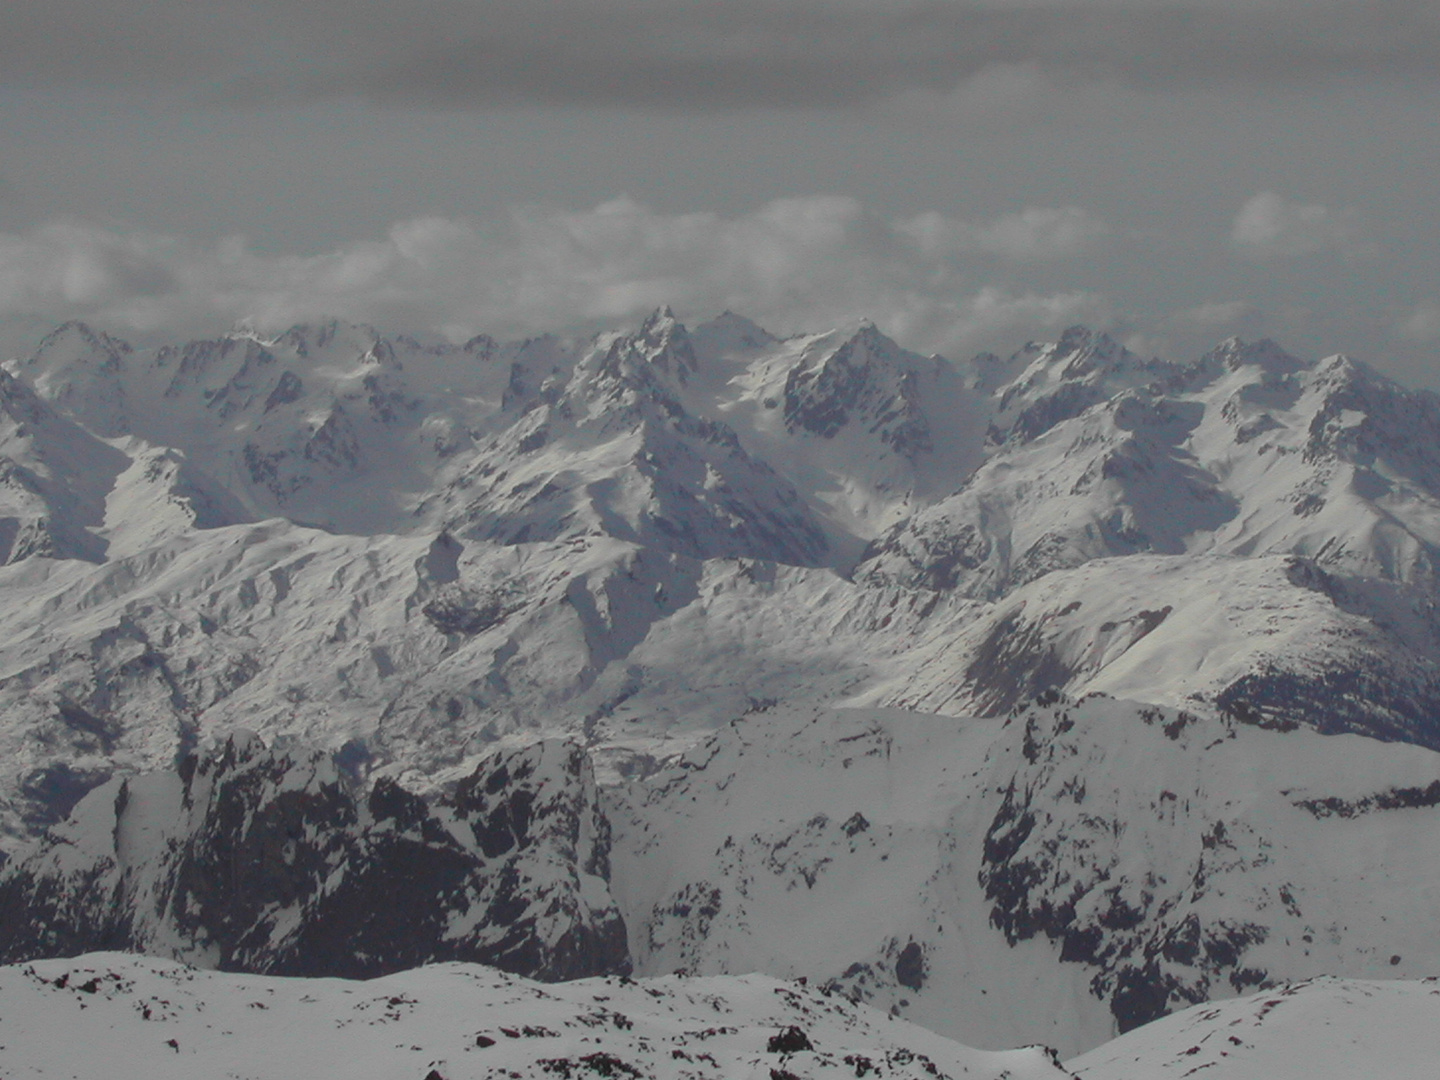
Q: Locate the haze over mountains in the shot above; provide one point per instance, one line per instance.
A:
(1030, 699)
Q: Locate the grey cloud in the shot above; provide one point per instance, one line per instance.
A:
(673, 54)
(792, 264)
(125, 43)
(743, 55)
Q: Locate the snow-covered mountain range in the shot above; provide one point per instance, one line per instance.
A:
(1030, 699)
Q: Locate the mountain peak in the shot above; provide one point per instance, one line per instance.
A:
(1079, 336)
(1080, 354)
(306, 338)
(76, 338)
(1234, 353)
(867, 378)
(663, 342)
(80, 370)
(1343, 368)
(1085, 349)
(867, 343)
(730, 318)
(1061, 380)
(728, 334)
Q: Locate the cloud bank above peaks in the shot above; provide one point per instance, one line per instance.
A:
(793, 264)
(744, 54)
(1040, 233)
(1270, 226)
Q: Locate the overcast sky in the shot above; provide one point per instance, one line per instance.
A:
(969, 175)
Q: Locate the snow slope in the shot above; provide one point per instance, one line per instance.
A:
(105, 1015)
(1273, 639)
(1320, 1029)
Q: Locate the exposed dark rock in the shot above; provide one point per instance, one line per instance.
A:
(271, 862)
(1069, 401)
(1400, 798)
(1014, 663)
(455, 609)
(1391, 703)
(861, 382)
(599, 1063)
(910, 966)
(288, 388)
(1049, 873)
(53, 791)
(790, 1041)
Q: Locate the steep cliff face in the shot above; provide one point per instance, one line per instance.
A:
(260, 860)
(54, 476)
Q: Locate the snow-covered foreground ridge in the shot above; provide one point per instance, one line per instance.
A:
(1321, 1029)
(1030, 698)
(106, 1014)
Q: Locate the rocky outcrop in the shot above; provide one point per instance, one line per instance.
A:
(864, 381)
(263, 860)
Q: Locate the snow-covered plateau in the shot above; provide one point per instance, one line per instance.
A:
(1029, 700)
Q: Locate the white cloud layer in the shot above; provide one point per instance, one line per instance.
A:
(794, 264)
(1221, 315)
(1034, 233)
(1271, 226)
(1421, 324)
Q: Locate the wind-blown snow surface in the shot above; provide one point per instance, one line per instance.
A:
(818, 575)
(105, 1015)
